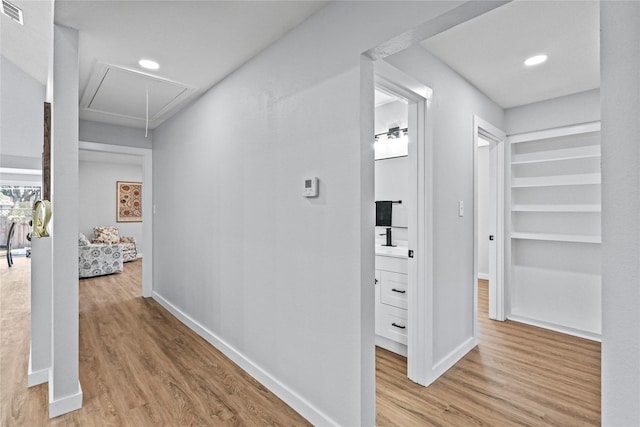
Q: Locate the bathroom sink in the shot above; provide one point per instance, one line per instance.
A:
(394, 251)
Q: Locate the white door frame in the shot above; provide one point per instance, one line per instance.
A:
(147, 203)
(497, 217)
(420, 209)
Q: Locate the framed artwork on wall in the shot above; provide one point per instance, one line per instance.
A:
(128, 201)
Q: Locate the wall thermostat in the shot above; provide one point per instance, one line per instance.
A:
(311, 187)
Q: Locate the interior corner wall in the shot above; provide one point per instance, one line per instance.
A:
(106, 133)
(97, 196)
(275, 279)
(65, 393)
(582, 107)
(620, 67)
(22, 118)
(454, 104)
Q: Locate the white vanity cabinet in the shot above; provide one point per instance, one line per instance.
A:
(391, 302)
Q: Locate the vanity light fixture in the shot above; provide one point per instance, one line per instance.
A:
(149, 64)
(536, 60)
(392, 133)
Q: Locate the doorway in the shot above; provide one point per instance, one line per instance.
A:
(419, 220)
(489, 210)
(141, 158)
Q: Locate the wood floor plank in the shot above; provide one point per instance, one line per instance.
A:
(139, 366)
(518, 375)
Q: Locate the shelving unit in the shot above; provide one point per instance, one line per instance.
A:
(555, 229)
(556, 208)
(575, 238)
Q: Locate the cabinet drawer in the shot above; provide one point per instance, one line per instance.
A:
(392, 323)
(399, 265)
(393, 289)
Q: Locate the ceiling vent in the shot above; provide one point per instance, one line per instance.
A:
(12, 11)
(122, 92)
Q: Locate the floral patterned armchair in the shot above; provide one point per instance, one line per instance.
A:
(98, 259)
(109, 235)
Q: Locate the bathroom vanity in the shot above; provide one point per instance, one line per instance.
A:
(391, 298)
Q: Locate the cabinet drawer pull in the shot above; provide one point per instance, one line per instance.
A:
(398, 326)
(400, 291)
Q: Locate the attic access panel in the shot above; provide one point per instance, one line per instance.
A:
(123, 92)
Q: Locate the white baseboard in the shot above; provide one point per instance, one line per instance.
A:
(557, 328)
(391, 345)
(483, 276)
(290, 397)
(65, 404)
(452, 358)
(36, 377)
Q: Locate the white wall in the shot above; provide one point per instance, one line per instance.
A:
(116, 135)
(392, 183)
(282, 280)
(65, 393)
(620, 63)
(97, 196)
(454, 104)
(563, 111)
(483, 211)
(22, 112)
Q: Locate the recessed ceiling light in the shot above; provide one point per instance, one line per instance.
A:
(535, 60)
(149, 64)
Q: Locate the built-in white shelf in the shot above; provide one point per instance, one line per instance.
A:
(553, 181)
(555, 132)
(555, 159)
(556, 208)
(575, 238)
(554, 251)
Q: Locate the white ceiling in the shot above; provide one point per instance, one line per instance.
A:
(28, 45)
(489, 50)
(196, 43)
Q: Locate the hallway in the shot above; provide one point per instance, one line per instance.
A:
(139, 366)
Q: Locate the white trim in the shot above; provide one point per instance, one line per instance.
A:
(554, 132)
(420, 209)
(483, 276)
(393, 346)
(394, 80)
(553, 327)
(452, 358)
(147, 202)
(98, 75)
(496, 290)
(36, 377)
(293, 399)
(65, 404)
(19, 171)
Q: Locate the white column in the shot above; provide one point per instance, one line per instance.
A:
(41, 285)
(620, 101)
(65, 393)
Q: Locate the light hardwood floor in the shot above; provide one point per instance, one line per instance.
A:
(517, 375)
(141, 367)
